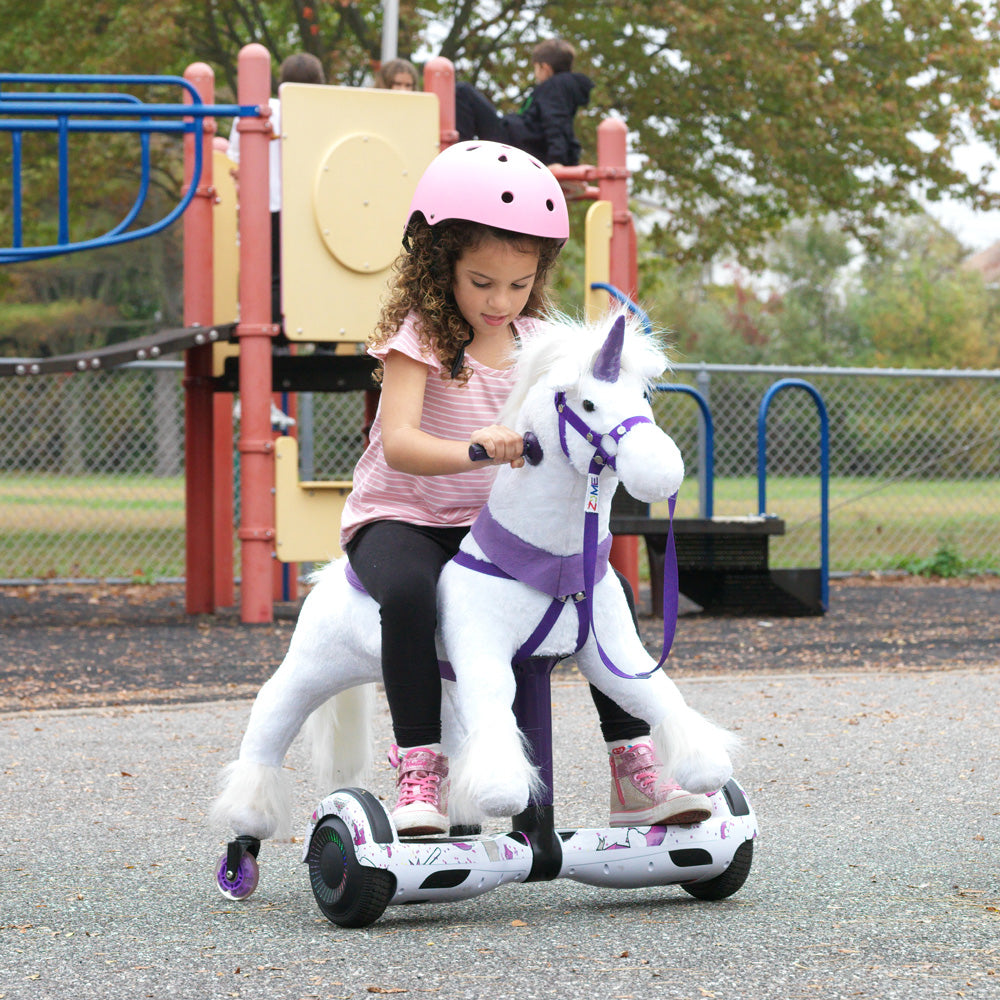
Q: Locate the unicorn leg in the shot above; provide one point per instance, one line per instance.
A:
(323, 659)
(255, 798)
(492, 773)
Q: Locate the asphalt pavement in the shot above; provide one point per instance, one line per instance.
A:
(876, 873)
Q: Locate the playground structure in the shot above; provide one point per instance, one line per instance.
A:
(345, 219)
(345, 193)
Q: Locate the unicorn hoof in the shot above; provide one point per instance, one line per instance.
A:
(704, 776)
(504, 802)
(492, 775)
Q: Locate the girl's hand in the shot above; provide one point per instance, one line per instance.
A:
(502, 445)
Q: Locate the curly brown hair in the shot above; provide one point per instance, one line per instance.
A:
(423, 280)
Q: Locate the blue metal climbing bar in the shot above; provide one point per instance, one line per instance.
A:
(65, 114)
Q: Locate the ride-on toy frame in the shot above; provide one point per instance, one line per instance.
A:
(358, 865)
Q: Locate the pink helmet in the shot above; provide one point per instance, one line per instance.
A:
(494, 184)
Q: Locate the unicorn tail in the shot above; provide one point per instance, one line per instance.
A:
(339, 737)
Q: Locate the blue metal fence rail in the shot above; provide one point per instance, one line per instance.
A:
(706, 468)
(824, 469)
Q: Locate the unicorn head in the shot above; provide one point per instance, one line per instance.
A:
(603, 371)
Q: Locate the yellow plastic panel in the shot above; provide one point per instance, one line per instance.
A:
(225, 256)
(597, 258)
(307, 514)
(351, 159)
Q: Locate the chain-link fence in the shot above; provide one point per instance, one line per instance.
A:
(913, 462)
(92, 466)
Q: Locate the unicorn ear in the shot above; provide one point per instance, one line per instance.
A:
(562, 375)
(608, 364)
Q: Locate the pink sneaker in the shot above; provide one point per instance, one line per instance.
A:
(422, 781)
(640, 797)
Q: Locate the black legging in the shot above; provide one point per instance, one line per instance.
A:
(399, 564)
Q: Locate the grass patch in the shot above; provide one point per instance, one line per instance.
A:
(133, 526)
(136, 553)
(873, 525)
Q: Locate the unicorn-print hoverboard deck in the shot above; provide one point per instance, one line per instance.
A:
(358, 865)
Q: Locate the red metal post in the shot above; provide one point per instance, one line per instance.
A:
(612, 148)
(255, 332)
(612, 185)
(439, 78)
(224, 499)
(198, 406)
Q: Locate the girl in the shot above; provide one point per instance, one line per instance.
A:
(486, 224)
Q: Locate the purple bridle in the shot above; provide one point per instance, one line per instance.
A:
(603, 459)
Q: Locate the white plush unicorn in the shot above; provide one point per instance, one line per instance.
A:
(531, 578)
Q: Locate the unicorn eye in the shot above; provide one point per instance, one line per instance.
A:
(589, 406)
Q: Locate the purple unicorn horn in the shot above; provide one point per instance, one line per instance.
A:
(608, 364)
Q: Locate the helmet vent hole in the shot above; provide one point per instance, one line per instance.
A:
(507, 197)
(502, 158)
(550, 205)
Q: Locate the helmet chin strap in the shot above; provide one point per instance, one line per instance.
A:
(459, 363)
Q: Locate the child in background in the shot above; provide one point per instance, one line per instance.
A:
(543, 126)
(485, 227)
(397, 74)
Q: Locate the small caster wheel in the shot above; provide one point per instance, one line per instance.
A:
(237, 873)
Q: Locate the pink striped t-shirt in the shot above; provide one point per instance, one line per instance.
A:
(451, 411)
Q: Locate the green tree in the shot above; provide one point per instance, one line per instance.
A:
(810, 324)
(826, 302)
(743, 114)
(917, 307)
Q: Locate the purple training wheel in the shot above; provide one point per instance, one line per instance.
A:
(244, 880)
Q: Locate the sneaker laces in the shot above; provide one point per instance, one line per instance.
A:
(419, 775)
(640, 764)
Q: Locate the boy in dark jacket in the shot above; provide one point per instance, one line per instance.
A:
(543, 126)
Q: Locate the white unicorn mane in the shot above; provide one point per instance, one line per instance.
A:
(564, 350)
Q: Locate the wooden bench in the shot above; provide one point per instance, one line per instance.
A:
(722, 564)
